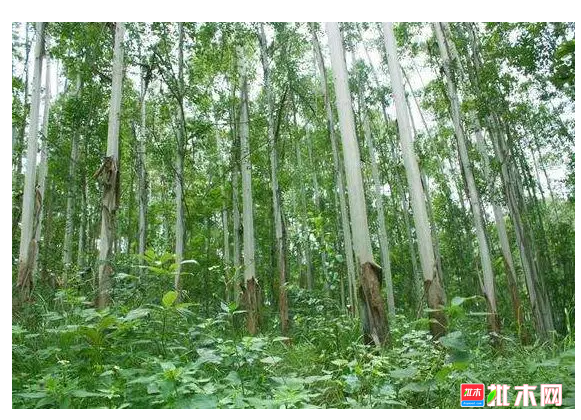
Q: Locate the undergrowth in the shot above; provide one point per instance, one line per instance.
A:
(151, 351)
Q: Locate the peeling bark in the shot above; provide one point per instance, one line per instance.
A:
(31, 196)
(374, 318)
(383, 238)
(251, 289)
(108, 174)
(250, 295)
(375, 329)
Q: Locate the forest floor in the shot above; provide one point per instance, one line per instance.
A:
(148, 351)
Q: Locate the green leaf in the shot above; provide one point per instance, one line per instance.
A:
(202, 401)
(81, 393)
(457, 301)
(415, 387)
(41, 394)
(233, 378)
(408, 372)
(491, 396)
(136, 314)
(208, 356)
(169, 298)
(190, 262)
(352, 383)
(271, 360)
(152, 388)
(454, 341)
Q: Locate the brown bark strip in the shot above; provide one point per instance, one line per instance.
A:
(108, 176)
(250, 297)
(375, 330)
(26, 267)
(436, 301)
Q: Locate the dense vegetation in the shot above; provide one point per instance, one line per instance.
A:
(197, 207)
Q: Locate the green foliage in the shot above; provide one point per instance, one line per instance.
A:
(71, 356)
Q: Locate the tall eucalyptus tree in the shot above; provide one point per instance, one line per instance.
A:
(108, 173)
(434, 291)
(31, 201)
(276, 205)
(251, 288)
(375, 322)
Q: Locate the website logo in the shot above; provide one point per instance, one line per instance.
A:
(472, 395)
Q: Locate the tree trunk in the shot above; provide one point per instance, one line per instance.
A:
(83, 221)
(432, 282)
(20, 139)
(179, 245)
(317, 202)
(142, 173)
(383, 239)
(43, 167)
(108, 174)
(541, 312)
(31, 200)
(251, 289)
(235, 158)
(276, 205)
(479, 223)
(374, 319)
(71, 190)
(337, 164)
(306, 243)
(417, 286)
(424, 178)
(510, 270)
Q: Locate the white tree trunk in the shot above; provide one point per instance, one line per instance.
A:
(383, 238)
(502, 234)
(303, 220)
(357, 209)
(375, 324)
(479, 223)
(225, 229)
(424, 179)
(43, 166)
(250, 284)
(276, 205)
(109, 172)
(179, 245)
(345, 226)
(30, 198)
(432, 282)
(246, 168)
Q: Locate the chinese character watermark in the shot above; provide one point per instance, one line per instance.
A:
(551, 394)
